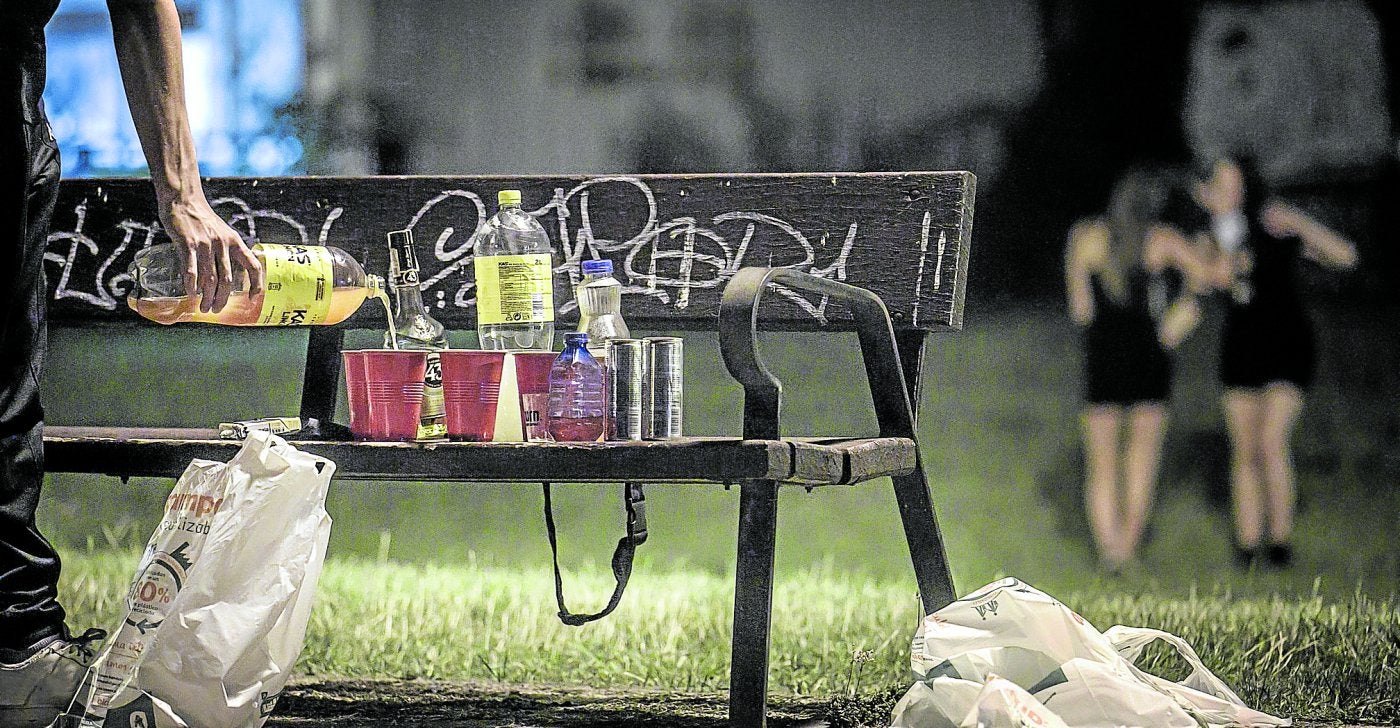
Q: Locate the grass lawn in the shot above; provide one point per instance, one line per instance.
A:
(448, 581)
(1314, 658)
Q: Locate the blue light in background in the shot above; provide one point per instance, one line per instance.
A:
(244, 62)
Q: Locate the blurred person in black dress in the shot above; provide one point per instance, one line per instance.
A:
(1267, 345)
(1132, 282)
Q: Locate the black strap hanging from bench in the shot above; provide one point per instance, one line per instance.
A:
(635, 502)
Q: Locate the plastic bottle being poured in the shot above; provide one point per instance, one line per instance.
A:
(305, 285)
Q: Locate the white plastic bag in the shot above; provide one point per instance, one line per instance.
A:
(1012, 632)
(1205, 695)
(220, 603)
(946, 702)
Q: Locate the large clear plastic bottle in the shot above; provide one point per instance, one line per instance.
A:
(414, 328)
(576, 400)
(303, 285)
(514, 280)
(600, 307)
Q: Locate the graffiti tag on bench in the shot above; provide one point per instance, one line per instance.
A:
(674, 240)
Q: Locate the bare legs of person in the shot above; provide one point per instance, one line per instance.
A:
(1121, 475)
(1261, 424)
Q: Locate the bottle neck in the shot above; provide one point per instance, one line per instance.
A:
(410, 302)
(403, 261)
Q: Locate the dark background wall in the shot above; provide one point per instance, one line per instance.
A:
(1045, 100)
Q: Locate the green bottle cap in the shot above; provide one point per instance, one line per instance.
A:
(508, 197)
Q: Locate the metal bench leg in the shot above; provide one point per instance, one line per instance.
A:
(925, 542)
(321, 383)
(915, 504)
(753, 602)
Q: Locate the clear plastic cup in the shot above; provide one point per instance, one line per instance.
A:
(471, 388)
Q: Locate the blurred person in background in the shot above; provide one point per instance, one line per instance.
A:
(1267, 345)
(40, 661)
(1132, 282)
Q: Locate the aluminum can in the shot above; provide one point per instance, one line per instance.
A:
(665, 384)
(626, 366)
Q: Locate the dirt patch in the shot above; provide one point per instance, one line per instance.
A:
(410, 703)
(363, 703)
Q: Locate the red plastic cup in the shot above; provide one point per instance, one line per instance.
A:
(532, 379)
(471, 387)
(394, 381)
(356, 393)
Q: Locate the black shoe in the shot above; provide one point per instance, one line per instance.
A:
(1279, 555)
(1245, 556)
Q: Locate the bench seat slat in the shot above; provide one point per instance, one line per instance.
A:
(818, 461)
(165, 452)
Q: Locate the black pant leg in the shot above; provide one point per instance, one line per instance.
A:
(29, 567)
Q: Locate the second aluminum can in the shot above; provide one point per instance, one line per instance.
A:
(626, 365)
(665, 370)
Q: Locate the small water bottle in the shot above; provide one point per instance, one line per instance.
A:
(576, 399)
(600, 307)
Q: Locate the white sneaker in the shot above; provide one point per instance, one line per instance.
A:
(35, 691)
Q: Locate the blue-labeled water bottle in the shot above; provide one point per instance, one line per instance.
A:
(576, 398)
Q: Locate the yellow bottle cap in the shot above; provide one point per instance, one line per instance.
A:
(508, 197)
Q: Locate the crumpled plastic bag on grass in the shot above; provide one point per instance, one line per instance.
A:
(218, 610)
(996, 703)
(1011, 655)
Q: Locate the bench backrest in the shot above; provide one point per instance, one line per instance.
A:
(674, 239)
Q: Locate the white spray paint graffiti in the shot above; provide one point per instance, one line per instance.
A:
(667, 261)
(109, 287)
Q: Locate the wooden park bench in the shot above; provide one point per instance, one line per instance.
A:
(831, 247)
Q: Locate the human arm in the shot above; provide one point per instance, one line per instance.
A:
(1220, 267)
(1320, 243)
(1167, 247)
(147, 38)
(1079, 253)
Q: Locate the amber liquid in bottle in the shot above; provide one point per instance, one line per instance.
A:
(241, 310)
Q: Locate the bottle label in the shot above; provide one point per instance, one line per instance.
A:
(402, 278)
(432, 423)
(297, 286)
(514, 289)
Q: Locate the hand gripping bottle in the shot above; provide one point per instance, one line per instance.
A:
(514, 280)
(303, 285)
(600, 307)
(413, 328)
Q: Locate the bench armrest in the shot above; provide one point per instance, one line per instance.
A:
(738, 342)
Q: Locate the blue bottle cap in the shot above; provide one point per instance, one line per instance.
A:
(597, 267)
(575, 337)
